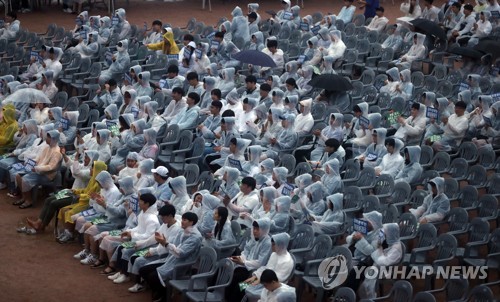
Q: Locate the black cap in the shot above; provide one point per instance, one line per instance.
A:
(252, 15)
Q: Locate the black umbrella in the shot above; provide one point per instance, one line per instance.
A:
(254, 57)
(489, 45)
(331, 82)
(429, 28)
(466, 52)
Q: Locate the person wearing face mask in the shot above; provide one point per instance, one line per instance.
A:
(120, 62)
(436, 205)
(388, 253)
(412, 169)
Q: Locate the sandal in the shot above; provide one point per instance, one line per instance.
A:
(18, 202)
(108, 271)
(25, 205)
(98, 264)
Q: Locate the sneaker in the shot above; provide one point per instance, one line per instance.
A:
(113, 277)
(26, 10)
(2, 186)
(66, 237)
(121, 279)
(90, 259)
(81, 255)
(137, 288)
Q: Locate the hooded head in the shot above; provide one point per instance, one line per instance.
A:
(137, 69)
(56, 113)
(105, 22)
(232, 175)
(72, 117)
(127, 185)
(111, 111)
(54, 138)
(9, 115)
(336, 35)
(31, 126)
(374, 218)
(391, 231)
(264, 224)
(144, 78)
(270, 194)
(290, 118)
(259, 37)
(281, 241)
(49, 76)
(105, 180)
(241, 145)
(84, 16)
(413, 154)
(313, 41)
(280, 174)
(333, 167)
(128, 119)
(103, 136)
(123, 47)
(337, 201)
(228, 74)
(210, 202)
(292, 67)
(255, 152)
(420, 38)
(324, 34)
(267, 165)
(381, 134)
(302, 181)
(121, 14)
(139, 126)
(142, 100)
(317, 192)
(178, 185)
(375, 119)
(406, 75)
(307, 103)
(133, 156)
(237, 12)
(465, 96)
(393, 73)
(283, 204)
(439, 183)
(92, 155)
(146, 165)
(150, 136)
(150, 108)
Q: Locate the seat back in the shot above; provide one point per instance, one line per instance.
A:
(206, 260)
(302, 237)
(225, 269)
(352, 196)
(344, 294)
(446, 246)
(488, 206)
(407, 225)
(401, 192)
(477, 175)
(479, 230)
(441, 161)
(468, 151)
(367, 177)
(389, 213)
(426, 154)
(424, 297)
(370, 203)
(205, 181)
(451, 188)
(288, 161)
(480, 293)
(401, 291)
(486, 157)
(384, 185)
(350, 169)
(417, 198)
(458, 219)
(426, 234)
(191, 172)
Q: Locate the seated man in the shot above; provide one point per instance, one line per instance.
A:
(430, 11)
(412, 170)
(347, 12)
(411, 128)
(244, 202)
(392, 162)
(416, 51)
(435, 206)
(462, 29)
(378, 22)
(454, 130)
(11, 26)
(275, 290)
(187, 118)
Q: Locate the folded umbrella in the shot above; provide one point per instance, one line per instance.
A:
(331, 82)
(254, 57)
(466, 52)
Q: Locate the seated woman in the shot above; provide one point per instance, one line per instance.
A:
(150, 149)
(280, 220)
(68, 135)
(108, 193)
(24, 140)
(124, 123)
(374, 153)
(115, 216)
(314, 205)
(287, 139)
(333, 218)
(391, 255)
(331, 180)
(271, 128)
(251, 167)
(44, 171)
(279, 178)
(222, 234)
(280, 261)
(301, 182)
(206, 222)
(8, 127)
(145, 177)
(82, 174)
(180, 195)
(132, 141)
(131, 169)
(83, 196)
(255, 255)
(229, 186)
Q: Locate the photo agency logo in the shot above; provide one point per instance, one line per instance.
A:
(407, 273)
(333, 271)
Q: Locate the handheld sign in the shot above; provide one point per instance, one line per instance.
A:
(89, 212)
(134, 204)
(135, 111)
(128, 244)
(371, 156)
(463, 86)
(432, 113)
(287, 190)
(235, 163)
(64, 123)
(214, 44)
(29, 164)
(163, 83)
(435, 138)
(304, 26)
(18, 166)
(187, 53)
(316, 29)
(495, 97)
(109, 57)
(211, 35)
(83, 34)
(173, 57)
(360, 226)
(115, 233)
(113, 128)
(287, 16)
(301, 59)
(198, 53)
(364, 121)
(115, 21)
(393, 117)
(99, 220)
(127, 77)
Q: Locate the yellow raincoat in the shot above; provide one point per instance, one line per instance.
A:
(169, 47)
(84, 194)
(8, 128)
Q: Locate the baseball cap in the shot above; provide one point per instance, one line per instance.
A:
(161, 170)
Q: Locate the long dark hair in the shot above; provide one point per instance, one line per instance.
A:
(223, 213)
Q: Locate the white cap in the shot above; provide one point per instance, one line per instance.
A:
(161, 170)
(192, 44)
